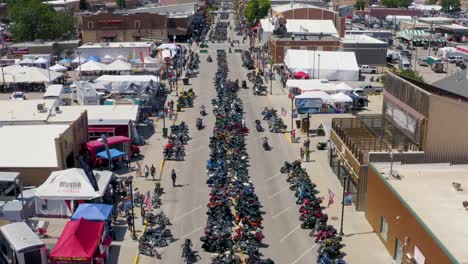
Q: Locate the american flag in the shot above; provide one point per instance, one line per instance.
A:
(331, 195)
(148, 202)
(283, 111)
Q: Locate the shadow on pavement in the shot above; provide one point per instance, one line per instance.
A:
(114, 253)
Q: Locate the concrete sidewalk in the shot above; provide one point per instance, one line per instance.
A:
(361, 243)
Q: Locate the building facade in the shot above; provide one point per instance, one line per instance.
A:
(368, 50)
(105, 27)
(279, 46)
(420, 124)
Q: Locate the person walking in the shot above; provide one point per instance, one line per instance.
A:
(302, 153)
(307, 153)
(138, 169)
(143, 213)
(153, 171)
(173, 177)
(146, 171)
(129, 222)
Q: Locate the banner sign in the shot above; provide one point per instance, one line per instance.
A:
(89, 172)
(19, 51)
(308, 105)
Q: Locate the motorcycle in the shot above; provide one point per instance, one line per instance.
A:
(209, 59)
(265, 144)
(244, 84)
(199, 123)
(258, 126)
(202, 111)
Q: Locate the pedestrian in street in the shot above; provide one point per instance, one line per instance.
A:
(153, 171)
(138, 169)
(302, 153)
(307, 144)
(173, 177)
(146, 171)
(307, 153)
(129, 222)
(293, 135)
(170, 113)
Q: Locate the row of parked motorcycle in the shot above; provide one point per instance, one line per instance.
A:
(232, 200)
(258, 87)
(312, 215)
(192, 66)
(219, 34)
(247, 60)
(175, 149)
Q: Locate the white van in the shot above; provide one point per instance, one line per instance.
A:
(404, 64)
(455, 59)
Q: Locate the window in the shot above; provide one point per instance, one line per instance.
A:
(90, 25)
(383, 227)
(137, 24)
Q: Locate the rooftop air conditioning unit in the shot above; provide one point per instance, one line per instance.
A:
(40, 107)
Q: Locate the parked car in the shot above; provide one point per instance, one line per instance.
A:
(455, 59)
(368, 69)
(423, 62)
(372, 89)
(404, 64)
(17, 96)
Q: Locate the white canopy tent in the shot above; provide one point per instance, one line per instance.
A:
(79, 59)
(121, 57)
(54, 195)
(118, 65)
(24, 74)
(41, 61)
(59, 68)
(129, 84)
(318, 85)
(331, 65)
(343, 88)
(107, 59)
(26, 61)
(326, 98)
(341, 98)
(91, 66)
(168, 46)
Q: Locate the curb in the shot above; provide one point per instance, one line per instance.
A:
(137, 257)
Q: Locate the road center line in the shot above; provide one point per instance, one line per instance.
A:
(193, 232)
(280, 213)
(303, 254)
(280, 191)
(288, 234)
(184, 215)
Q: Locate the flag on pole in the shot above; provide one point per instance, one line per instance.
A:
(148, 202)
(283, 111)
(141, 56)
(331, 195)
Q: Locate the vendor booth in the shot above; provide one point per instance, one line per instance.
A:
(342, 102)
(64, 190)
(129, 84)
(330, 65)
(93, 212)
(81, 241)
(20, 245)
(318, 85)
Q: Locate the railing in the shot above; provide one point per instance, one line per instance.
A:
(404, 157)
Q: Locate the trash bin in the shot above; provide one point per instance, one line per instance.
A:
(164, 132)
(185, 81)
(298, 124)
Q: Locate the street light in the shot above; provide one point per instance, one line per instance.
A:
(129, 182)
(345, 182)
(318, 67)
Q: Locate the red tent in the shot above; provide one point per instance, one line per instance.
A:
(78, 241)
(301, 75)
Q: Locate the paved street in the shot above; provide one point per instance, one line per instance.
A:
(185, 204)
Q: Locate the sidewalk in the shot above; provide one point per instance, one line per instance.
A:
(361, 243)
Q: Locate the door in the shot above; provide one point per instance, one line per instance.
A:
(398, 252)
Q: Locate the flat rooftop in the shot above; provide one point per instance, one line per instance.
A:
(435, 20)
(97, 114)
(29, 146)
(303, 26)
(428, 192)
(349, 38)
(26, 110)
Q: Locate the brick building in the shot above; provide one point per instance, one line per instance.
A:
(419, 214)
(108, 27)
(279, 46)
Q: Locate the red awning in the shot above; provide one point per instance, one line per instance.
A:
(101, 129)
(78, 241)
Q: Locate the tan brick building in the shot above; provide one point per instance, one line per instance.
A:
(122, 27)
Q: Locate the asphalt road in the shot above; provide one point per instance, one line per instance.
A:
(186, 204)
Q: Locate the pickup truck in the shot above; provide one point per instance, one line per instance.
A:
(368, 69)
(371, 89)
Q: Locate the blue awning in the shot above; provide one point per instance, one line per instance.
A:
(93, 58)
(65, 61)
(93, 212)
(114, 153)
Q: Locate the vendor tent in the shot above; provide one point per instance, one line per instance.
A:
(93, 58)
(26, 61)
(59, 68)
(129, 84)
(54, 195)
(118, 65)
(93, 212)
(91, 66)
(341, 98)
(331, 65)
(326, 98)
(65, 61)
(79, 241)
(121, 57)
(107, 59)
(168, 46)
(25, 74)
(41, 61)
(114, 153)
(79, 60)
(343, 88)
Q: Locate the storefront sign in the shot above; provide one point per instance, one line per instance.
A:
(308, 105)
(19, 51)
(401, 119)
(69, 186)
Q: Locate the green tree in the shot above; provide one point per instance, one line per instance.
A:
(83, 5)
(360, 4)
(121, 4)
(396, 3)
(255, 10)
(410, 74)
(32, 19)
(450, 5)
